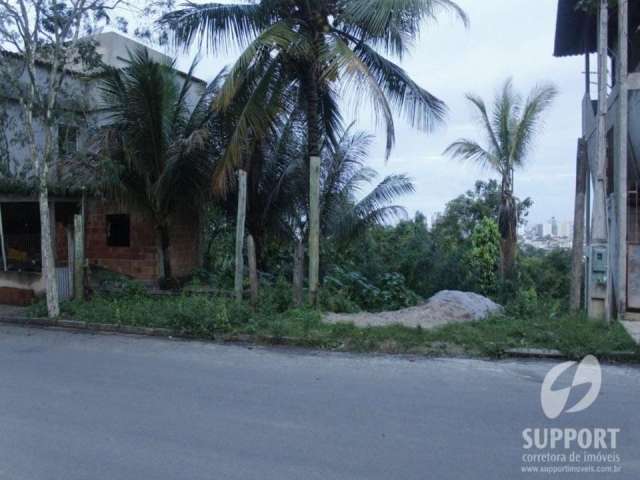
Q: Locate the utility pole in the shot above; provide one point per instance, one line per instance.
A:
(622, 152)
(577, 253)
(599, 284)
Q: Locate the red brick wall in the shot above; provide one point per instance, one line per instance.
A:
(184, 246)
(16, 296)
(140, 259)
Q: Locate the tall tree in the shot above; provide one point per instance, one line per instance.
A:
(510, 129)
(159, 144)
(280, 189)
(41, 46)
(308, 53)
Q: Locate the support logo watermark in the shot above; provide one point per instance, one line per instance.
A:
(554, 401)
(553, 450)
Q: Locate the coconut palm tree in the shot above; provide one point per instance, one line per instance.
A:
(510, 129)
(310, 53)
(280, 192)
(157, 143)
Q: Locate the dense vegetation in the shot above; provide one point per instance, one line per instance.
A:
(266, 142)
(390, 266)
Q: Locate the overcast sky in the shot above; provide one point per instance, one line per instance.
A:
(506, 38)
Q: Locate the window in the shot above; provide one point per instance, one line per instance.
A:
(67, 140)
(118, 230)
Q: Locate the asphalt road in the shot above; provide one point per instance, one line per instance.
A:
(77, 406)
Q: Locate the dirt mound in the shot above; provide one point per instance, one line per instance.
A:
(443, 308)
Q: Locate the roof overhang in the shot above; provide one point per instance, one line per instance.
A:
(576, 30)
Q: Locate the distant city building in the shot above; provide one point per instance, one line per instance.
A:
(566, 230)
(550, 235)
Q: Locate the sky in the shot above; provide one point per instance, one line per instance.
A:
(506, 38)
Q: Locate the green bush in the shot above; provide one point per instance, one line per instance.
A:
(276, 297)
(347, 290)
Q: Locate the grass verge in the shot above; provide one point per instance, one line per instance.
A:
(212, 318)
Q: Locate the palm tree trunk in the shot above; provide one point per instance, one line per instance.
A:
(314, 136)
(508, 222)
(298, 273)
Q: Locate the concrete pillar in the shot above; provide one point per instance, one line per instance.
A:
(3, 246)
(314, 230)
(240, 223)
(622, 156)
(78, 257)
(577, 254)
(599, 284)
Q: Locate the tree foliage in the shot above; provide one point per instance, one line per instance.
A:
(159, 145)
(510, 128)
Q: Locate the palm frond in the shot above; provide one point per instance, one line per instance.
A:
(419, 107)
(538, 102)
(505, 109)
(392, 24)
(481, 106)
(470, 150)
(356, 75)
(217, 25)
(388, 190)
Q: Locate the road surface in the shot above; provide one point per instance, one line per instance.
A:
(78, 406)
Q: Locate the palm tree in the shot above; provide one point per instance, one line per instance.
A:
(158, 145)
(309, 53)
(510, 130)
(279, 192)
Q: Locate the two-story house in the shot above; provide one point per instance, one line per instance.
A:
(116, 237)
(607, 35)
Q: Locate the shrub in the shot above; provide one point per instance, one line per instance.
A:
(350, 289)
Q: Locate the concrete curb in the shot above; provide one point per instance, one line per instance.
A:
(543, 353)
(534, 353)
(86, 326)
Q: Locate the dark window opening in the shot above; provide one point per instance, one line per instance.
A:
(21, 225)
(67, 140)
(118, 230)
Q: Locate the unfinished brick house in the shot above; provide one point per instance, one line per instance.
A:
(117, 237)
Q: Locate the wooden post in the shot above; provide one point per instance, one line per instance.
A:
(298, 273)
(577, 254)
(599, 291)
(314, 229)
(53, 232)
(253, 270)
(240, 221)
(78, 257)
(2, 244)
(622, 156)
(587, 74)
(71, 258)
(587, 222)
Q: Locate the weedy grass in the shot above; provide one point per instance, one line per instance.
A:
(211, 317)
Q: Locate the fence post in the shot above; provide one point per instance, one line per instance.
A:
(78, 257)
(240, 221)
